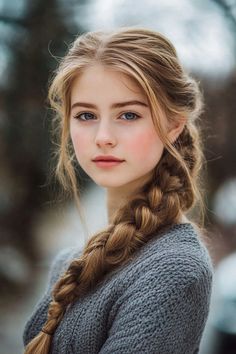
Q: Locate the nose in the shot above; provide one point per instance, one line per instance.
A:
(105, 135)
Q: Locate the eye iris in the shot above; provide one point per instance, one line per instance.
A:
(129, 115)
(88, 115)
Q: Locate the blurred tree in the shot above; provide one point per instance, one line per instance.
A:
(220, 113)
(25, 145)
(221, 147)
(228, 9)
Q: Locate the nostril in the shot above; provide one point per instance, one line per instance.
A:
(105, 141)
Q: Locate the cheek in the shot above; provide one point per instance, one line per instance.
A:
(79, 140)
(145, 145)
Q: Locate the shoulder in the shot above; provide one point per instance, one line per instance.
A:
(176, 256)
(61, 262)
(181, 243)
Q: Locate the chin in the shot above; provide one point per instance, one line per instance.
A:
(110, 184)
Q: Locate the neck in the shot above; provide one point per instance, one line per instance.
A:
(115, 199)
(117, 196)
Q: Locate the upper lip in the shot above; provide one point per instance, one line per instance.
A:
(106, 158)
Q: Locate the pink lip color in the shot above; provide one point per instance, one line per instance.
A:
(107, 163)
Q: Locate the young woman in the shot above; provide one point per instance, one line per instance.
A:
(128, 114)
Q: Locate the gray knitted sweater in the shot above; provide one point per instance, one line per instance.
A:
(157, 303)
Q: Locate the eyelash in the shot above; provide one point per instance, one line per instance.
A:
(78, 116)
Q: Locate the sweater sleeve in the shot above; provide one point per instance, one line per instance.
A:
(162, 313)
(39, 314)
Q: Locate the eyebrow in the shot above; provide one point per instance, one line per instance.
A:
(114, 105)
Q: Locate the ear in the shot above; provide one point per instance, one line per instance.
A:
(176, 130)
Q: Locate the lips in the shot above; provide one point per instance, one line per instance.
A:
(107, 159)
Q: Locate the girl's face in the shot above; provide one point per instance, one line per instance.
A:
(110, 116)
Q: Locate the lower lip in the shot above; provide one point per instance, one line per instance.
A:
(107, 163)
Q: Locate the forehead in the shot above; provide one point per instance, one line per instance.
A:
(102, 84)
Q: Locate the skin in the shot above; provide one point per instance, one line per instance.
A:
(106, 130)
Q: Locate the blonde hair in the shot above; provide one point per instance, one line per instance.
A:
(175, 186)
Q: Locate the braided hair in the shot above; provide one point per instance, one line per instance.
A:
(174, 186)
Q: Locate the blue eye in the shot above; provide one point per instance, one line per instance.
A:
(130, 116)
(86, 115)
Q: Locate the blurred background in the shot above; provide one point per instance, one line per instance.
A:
(35, 224)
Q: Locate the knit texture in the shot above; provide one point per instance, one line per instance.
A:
(158, 302)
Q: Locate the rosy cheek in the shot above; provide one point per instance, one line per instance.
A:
(79, 141)
(142, 144)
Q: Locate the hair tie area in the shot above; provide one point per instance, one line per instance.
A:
(46, 332)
